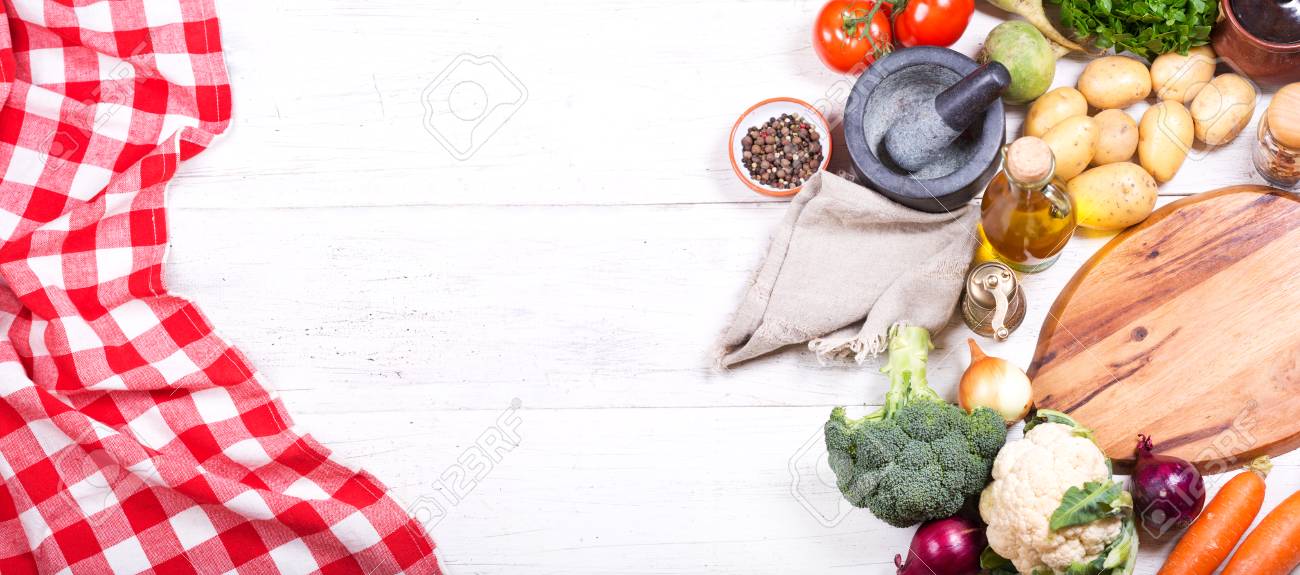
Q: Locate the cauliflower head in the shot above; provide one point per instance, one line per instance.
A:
(1029, 479)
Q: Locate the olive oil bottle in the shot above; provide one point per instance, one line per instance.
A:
(1026, 216)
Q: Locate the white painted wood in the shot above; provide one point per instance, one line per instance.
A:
(628, 101)
(582, 262)
(565, 307)
(672, 490)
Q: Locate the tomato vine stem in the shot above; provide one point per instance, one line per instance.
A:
(859, 19)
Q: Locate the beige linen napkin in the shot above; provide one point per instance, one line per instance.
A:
(843, 254)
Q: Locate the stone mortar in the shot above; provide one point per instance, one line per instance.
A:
(893, 87)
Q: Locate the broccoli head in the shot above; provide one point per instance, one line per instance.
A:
(918, 457)
(929, 420)
(986, 431)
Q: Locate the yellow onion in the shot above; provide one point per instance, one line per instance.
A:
(994, 383)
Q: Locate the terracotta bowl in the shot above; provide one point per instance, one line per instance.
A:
(760, 112)
(1262, 60)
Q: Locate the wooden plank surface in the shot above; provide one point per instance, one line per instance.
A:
(581, 262)
(1189, 316)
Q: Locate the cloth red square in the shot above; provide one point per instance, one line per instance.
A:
(40, 481)
(243, 543)
(143, 510)
(44, 205)
(133, 438)
(77, 542)
(178, 565)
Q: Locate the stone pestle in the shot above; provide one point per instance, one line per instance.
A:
(923, 136)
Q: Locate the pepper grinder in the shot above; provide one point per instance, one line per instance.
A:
(994, 304)
(932, 128)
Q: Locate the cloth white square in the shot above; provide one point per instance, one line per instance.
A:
(47, 66)
(96, 16)
(193, 527)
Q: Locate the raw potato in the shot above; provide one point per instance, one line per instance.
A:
(1117, 139)
(1072, 142)
(1113, 196)
(1179, 78)
(1050, 108)
(1223, 108)
(1164, 137)
(1115, 82)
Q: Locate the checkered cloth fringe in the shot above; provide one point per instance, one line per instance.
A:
(133, 439)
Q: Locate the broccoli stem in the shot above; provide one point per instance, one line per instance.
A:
(909, 351)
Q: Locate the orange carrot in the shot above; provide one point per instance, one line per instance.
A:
(1273, 548)
(1213, 535)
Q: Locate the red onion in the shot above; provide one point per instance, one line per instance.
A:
(1168, 492)
(949, 546)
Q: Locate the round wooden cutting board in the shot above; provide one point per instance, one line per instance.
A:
(1185, 327)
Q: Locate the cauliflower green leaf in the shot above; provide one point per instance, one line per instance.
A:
(1094, 500)
(994, 564)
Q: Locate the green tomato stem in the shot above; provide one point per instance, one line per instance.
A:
(856, 24)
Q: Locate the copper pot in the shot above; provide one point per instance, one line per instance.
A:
(1262, 60)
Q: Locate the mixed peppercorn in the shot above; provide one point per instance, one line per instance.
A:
(783, 152)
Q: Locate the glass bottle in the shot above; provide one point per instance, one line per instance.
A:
(1026, 216)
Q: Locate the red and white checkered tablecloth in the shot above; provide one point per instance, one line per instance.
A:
(133, 439)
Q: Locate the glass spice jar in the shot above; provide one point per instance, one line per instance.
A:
(1277, 154)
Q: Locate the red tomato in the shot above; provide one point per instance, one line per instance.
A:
(933, 22)
(849, 35)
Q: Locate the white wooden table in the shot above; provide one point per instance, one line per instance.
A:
(579, 265)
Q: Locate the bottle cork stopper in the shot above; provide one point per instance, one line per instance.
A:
(1029, 159)
(1284, 115)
